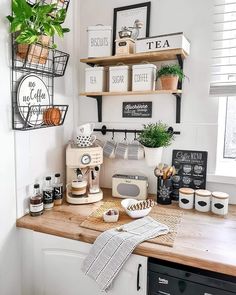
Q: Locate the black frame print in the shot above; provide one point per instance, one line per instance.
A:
(129, 7)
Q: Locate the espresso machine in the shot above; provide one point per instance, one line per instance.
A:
(83, 166)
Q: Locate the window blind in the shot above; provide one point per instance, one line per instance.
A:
(223, 77)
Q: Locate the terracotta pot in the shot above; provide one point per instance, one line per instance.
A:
(169, 82)
(35, 53)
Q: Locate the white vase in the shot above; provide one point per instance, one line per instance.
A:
(153, 156)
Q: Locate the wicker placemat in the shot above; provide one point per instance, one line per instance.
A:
(170, 217)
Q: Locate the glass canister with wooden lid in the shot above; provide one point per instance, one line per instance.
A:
(202, 200)
(220, 203)
(186, 198)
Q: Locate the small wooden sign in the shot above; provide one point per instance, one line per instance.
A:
(137, 109)
(191, 168)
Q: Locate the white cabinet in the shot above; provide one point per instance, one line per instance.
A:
(55, 269)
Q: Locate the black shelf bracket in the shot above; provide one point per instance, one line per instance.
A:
(178, 107)
(99, 105)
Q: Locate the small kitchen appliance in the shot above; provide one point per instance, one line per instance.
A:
(82, 174)
(129, 186)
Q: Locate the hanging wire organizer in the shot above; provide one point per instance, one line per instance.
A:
(47, 63)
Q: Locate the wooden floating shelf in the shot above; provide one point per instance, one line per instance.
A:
(131, 93)
(154, 56)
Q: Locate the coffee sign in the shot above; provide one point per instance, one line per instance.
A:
(32, 91)
(191, 169)
(137, 109)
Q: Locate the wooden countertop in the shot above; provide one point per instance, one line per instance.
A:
(204, 240)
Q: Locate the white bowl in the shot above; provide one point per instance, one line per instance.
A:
(111, 218)
(134, 213)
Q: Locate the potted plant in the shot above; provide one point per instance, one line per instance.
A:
(34, 26)
(154, 138)
(169, 76)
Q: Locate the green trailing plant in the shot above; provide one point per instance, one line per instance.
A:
(156, 135)
(30, 22)
(171, 70)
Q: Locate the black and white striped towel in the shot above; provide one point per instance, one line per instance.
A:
(112, 248)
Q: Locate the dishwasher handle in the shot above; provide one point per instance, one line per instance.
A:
(138, 277)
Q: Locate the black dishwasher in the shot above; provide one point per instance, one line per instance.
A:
(168, 278)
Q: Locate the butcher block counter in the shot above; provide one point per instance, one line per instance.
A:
(204, 241)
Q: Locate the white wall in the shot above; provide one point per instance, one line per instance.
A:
(9, 255)
(42, 152)
(199, 112)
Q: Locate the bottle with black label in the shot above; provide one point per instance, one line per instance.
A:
(36, 202)
(48, 194)
(57, 190)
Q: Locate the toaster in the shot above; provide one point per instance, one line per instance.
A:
(129, 186)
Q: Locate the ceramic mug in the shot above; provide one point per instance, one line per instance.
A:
(121, 151)
(85, 140)
(135, 151)
(86, 129)
(109, 149)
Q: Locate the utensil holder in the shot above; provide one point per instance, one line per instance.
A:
(164, 191)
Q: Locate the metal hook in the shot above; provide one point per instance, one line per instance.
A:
(113, 134)
(125, 135)
(135, 135)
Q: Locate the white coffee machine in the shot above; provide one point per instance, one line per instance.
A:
(82, 174)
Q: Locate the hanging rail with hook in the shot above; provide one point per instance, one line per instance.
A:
(104, 130)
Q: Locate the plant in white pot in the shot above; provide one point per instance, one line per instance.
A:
(154, 138)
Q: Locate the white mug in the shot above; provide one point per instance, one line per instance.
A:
(85, 140)
(86, 129)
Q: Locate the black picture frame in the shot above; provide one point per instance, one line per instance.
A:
(130, 7)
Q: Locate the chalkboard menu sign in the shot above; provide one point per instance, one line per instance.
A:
(137, 109)
(191, 168)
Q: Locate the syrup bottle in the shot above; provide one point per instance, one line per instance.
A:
(36, 202)
(57, 190)
(48, 194)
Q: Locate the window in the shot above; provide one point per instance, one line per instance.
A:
(230, 129)
(223, 80)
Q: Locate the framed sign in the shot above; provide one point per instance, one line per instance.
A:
(126, 16)
(191, 168)
(32, 91)
(137, 109)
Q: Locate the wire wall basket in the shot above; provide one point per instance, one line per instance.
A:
(61, 4)
(39, 116)
(40, 59)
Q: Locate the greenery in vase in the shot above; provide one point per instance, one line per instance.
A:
(171, 70)
(33, 21)
(156, 135)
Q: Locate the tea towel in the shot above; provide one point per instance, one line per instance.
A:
(113, 247)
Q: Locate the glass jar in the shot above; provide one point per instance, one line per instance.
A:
(36, 202)
(48, 194)
(57, 190)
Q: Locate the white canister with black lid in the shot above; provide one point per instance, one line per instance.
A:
(202, 200)
(220, 203)
(186, 198)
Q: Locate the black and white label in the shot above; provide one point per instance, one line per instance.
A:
(47, 197)
(58, 193)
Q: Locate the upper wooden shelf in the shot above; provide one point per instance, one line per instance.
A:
(137, 57)
(177, 91)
